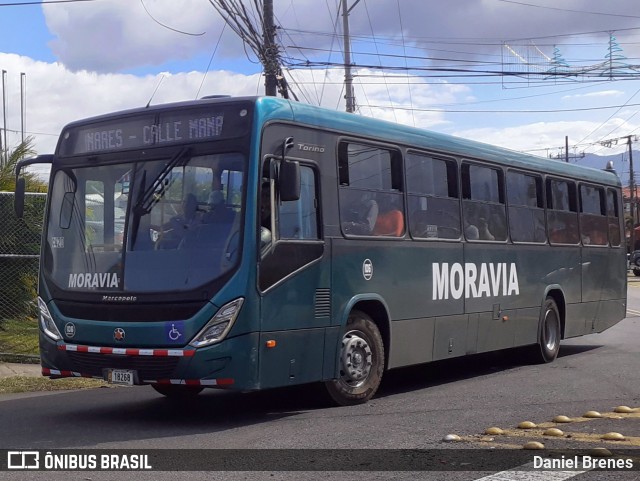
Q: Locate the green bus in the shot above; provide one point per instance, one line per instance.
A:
(255, 242)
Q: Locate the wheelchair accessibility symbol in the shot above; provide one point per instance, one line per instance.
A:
(174, 331)
(174, 334)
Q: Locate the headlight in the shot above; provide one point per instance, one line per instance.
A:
(219, 326)
(46, 321)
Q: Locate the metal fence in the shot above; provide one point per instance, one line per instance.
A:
(19, 255)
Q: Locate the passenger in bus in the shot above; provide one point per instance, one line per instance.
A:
(471, 232)
(175, 230)
(361, 217)
(390, 222)
(483, 230)
(216, 197)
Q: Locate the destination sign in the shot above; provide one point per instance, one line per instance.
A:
(170, 127)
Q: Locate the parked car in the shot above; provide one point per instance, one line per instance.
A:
(634, 263)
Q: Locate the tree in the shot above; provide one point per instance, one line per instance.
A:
(8, 168)
(19, 238)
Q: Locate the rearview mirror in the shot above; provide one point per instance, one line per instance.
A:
(289, 180)
(18, 200)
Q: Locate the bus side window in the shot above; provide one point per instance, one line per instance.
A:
(370, 195)
(613, 216)
(483, 205)
(562, 213)
(526, 208)
(432, 186)
(593, 220)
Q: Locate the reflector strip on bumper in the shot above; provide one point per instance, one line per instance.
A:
(128, 351)
(56, 372)
(223, 382)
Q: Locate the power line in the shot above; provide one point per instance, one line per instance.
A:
(42, 2)
(568, 10)
(522, 111)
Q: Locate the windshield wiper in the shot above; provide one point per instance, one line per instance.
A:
(147, 198)
(136, 216)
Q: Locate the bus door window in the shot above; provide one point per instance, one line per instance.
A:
(484, 205)
(526, 207)
(562, 213)
(266, 227)
(432, 186)
(299, 219)
(288, 230)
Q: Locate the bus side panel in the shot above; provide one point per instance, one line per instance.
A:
(296, 358)
(603, 277)
(452, 336)
(527, 328)
(414, 337)
(402, 277)
(496, 330)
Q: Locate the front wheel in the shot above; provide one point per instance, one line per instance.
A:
(175, 391)
(549, 333)
(361, 362)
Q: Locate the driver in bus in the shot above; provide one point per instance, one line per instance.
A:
(265, 214)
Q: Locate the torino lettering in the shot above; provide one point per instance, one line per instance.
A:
(473, 281)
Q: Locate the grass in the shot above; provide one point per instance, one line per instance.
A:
(19, 343)
(17, 384)
(19, 337)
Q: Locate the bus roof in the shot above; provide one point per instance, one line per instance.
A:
(436, 142)
(273, 108)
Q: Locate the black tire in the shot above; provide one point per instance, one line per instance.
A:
(175, 391)
(361, 362)
(549, 333)
(636, 271)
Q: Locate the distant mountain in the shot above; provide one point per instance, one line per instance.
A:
(620, 164)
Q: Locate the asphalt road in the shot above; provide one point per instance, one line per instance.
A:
(415, 409)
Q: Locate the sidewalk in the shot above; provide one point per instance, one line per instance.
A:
(8, 369)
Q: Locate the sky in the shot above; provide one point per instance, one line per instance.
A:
(519, 74)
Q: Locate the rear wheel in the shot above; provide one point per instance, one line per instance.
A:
(549, 333)
(175, 391)
(361, 362)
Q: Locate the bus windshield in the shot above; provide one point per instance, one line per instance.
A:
(162, 225)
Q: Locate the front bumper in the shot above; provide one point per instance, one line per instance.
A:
(232, 363)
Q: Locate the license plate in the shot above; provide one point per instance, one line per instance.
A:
(121, 376)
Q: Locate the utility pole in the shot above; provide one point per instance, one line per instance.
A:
(566, 155)
(632, 196)
(348, 77)
(23, 104)
(270, 51)
(4, 113)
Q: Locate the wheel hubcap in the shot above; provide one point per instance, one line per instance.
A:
(551, 331)
(356, 359)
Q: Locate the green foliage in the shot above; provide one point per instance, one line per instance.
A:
(8, 168)
(20, 337)
(19, 238)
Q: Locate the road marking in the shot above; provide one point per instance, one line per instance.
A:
(633, 311)
(517, 474)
